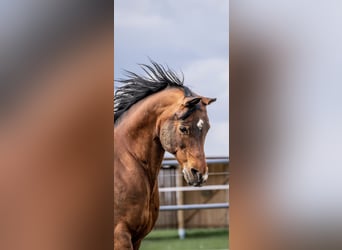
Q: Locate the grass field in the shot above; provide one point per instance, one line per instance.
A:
(206, 239)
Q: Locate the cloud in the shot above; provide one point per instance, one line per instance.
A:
(210, 77)
(209, 74)
(196, 28)
(128, 19)
(217, 139)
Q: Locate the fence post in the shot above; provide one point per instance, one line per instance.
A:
(179, 196)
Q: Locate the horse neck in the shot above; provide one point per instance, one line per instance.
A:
(139, 130)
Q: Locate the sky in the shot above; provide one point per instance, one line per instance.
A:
(189, 36)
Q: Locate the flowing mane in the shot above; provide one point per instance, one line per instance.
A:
(136, 87)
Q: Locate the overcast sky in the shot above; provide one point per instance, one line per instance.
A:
(189, 36)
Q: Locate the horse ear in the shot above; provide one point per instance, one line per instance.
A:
(207, 100)
(191, 101)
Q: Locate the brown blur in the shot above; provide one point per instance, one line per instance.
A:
(251, 106)
(56, 148)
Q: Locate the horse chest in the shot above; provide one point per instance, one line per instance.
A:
(138, 202)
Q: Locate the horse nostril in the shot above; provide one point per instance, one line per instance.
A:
(197, 174)
(194, 171)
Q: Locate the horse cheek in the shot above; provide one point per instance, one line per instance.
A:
(167, 138)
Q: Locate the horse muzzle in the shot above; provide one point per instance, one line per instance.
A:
(194, 177)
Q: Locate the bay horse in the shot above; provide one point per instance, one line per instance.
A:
(153, 114)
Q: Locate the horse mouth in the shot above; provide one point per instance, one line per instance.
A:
(194, 177)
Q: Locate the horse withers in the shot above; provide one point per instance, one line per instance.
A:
(153, 114)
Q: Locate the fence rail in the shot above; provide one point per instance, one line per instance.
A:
(176, 189)
(193, 206)
(210, 160)
(209, 187)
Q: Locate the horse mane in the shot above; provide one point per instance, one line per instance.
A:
(137, 87)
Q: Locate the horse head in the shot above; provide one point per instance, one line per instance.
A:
(183, 135)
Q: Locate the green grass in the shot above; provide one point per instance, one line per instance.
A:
(206, 239)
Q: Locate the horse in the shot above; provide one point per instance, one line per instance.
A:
(153, 113)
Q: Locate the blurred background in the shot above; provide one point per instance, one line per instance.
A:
(285, 124)
(56, 124)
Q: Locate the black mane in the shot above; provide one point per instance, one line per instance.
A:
(136, 87)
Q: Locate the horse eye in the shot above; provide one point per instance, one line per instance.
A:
(183, 129)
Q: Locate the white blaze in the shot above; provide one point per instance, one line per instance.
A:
(200, 124)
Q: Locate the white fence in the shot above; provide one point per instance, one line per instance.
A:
(179, 189)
